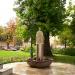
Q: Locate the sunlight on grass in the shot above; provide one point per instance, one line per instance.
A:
(12, 53)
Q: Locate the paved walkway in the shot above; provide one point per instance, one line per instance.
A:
(55, 69)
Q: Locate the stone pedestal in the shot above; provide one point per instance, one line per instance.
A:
(40, 51)
(1, 66)
(5, 71)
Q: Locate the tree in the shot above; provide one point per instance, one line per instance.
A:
(2, 36)
(10, 31)
(71, 10)
(21, 31)
(1, 30)
(72, 27)
(11, 26)
(65, 36)
(46, 14)
(73, 22)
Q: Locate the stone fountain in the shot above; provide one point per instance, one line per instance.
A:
(39, 61)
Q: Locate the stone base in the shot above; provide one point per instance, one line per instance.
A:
(6, 71)
(39, 63)
(1, 66)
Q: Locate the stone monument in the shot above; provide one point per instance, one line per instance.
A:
(39, 61)
(39, 43)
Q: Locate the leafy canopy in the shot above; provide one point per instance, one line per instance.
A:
(47, 14)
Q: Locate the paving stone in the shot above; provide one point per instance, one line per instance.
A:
(22, 68)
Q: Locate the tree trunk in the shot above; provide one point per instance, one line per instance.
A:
(47, 48)
(8, 46)
(65, 43)
(31, 52)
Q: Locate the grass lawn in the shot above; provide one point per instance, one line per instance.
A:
(17, 56)
(64, 58)
(13, 56)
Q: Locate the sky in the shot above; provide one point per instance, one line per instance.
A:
(73, 2)
(6, 11)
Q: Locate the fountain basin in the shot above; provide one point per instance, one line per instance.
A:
(37, 63)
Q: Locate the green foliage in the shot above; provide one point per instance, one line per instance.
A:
(73, 25)
(65, 51)
(73, 41)
(69, 51)
(72, 17)
(65, 36)
(66, 33)
(28, 48)
(3, 36)
(21, 32)
(48, 13)
(57, 51)
(1, 30)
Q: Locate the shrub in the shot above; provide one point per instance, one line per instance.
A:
(57, 51)
(64, 58)
(69, 51)
(65, 51)
(28, 48)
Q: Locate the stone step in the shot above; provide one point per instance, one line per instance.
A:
(6, 71)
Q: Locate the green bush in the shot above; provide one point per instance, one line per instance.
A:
(28, 48)
(65, 51)
(64, 58)
(69, 51)
(57, 51)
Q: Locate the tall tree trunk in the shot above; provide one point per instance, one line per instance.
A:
(47, 48)
(65, 43)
